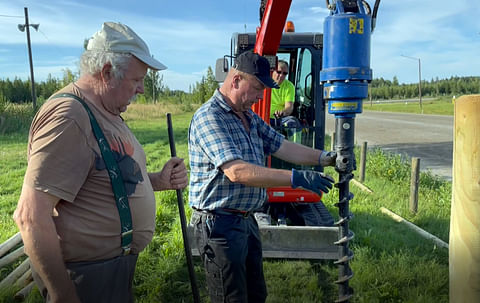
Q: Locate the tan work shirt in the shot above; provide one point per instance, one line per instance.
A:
(64, 160)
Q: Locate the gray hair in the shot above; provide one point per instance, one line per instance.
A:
(92, 62)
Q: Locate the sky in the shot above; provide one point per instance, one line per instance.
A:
(189, 35)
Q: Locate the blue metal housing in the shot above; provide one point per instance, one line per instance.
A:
(346, 60)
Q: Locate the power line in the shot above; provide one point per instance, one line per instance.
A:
(44, 35)
(8, 16)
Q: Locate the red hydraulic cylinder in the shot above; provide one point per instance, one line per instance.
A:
(270, 32)
(268, 39)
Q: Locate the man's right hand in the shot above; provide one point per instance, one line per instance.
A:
(312, 180)
(327, 158)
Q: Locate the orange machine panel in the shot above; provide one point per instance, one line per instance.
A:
(288, 194)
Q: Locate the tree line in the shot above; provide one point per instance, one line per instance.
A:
(19, 91)
(381, 89)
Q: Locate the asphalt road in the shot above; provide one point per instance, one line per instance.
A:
(428, 137)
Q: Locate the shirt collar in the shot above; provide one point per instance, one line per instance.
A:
(225, 106)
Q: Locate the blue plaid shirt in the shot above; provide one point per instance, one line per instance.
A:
(217, 136)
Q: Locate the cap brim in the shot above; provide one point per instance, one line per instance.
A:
(151, 62)
(268, 82)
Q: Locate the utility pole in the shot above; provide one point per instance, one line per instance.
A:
(22, 28)
(419, 79)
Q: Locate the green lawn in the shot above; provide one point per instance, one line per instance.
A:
(437, 106)
(391, 263)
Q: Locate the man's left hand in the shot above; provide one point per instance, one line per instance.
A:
(311, 180)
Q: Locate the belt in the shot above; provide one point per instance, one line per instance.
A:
(226, 211)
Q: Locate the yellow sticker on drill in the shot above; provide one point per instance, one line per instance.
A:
(356, 26)
(344, 106)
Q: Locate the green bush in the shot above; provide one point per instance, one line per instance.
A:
(389, 166)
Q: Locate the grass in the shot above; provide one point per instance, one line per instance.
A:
(437, 106)
(391, 263)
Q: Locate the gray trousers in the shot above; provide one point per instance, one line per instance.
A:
(106, 281)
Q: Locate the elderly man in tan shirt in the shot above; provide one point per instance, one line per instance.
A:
(82, 243)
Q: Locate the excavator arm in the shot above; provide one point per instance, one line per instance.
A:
(273, 15)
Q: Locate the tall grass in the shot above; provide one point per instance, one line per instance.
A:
(15, 118)
(391, 263)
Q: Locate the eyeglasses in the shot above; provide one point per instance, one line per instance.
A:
(282, 72)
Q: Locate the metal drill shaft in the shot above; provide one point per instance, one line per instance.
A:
(344, 128)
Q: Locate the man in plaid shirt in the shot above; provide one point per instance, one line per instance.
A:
(228, 144)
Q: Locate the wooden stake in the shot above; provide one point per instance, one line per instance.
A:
(363, 159)
(15, 274)
(414, 181)
(464, 253)
(25, 278)
(23, 294)
(10, 243)
(414, 227)
(12, 256)
(361, 186)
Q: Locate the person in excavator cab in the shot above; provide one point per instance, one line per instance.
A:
(282, 101)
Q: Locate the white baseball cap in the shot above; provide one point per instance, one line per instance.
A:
(119, 38)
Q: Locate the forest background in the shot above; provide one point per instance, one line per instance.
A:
(19, 91)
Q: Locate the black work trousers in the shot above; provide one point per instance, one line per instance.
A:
(231, 251)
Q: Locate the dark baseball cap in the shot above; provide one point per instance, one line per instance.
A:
(255, 65)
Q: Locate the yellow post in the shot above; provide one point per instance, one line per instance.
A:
(464, 246)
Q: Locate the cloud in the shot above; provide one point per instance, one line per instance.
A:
(444, 34)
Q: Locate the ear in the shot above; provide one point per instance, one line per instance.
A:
(106, 73)
(236, 80)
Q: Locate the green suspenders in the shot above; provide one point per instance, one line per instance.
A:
(118, 187)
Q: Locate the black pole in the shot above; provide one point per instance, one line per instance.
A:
(183, 221)
(27, 27)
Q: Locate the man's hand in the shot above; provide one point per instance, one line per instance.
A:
(312, 180)
(39, 234)
(327, 158)
(278, 114)
(172, 176)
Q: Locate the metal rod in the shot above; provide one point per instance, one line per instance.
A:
(419, 80)
(420, 84)
(183, 221)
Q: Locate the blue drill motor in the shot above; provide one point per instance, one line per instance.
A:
(346, 57)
